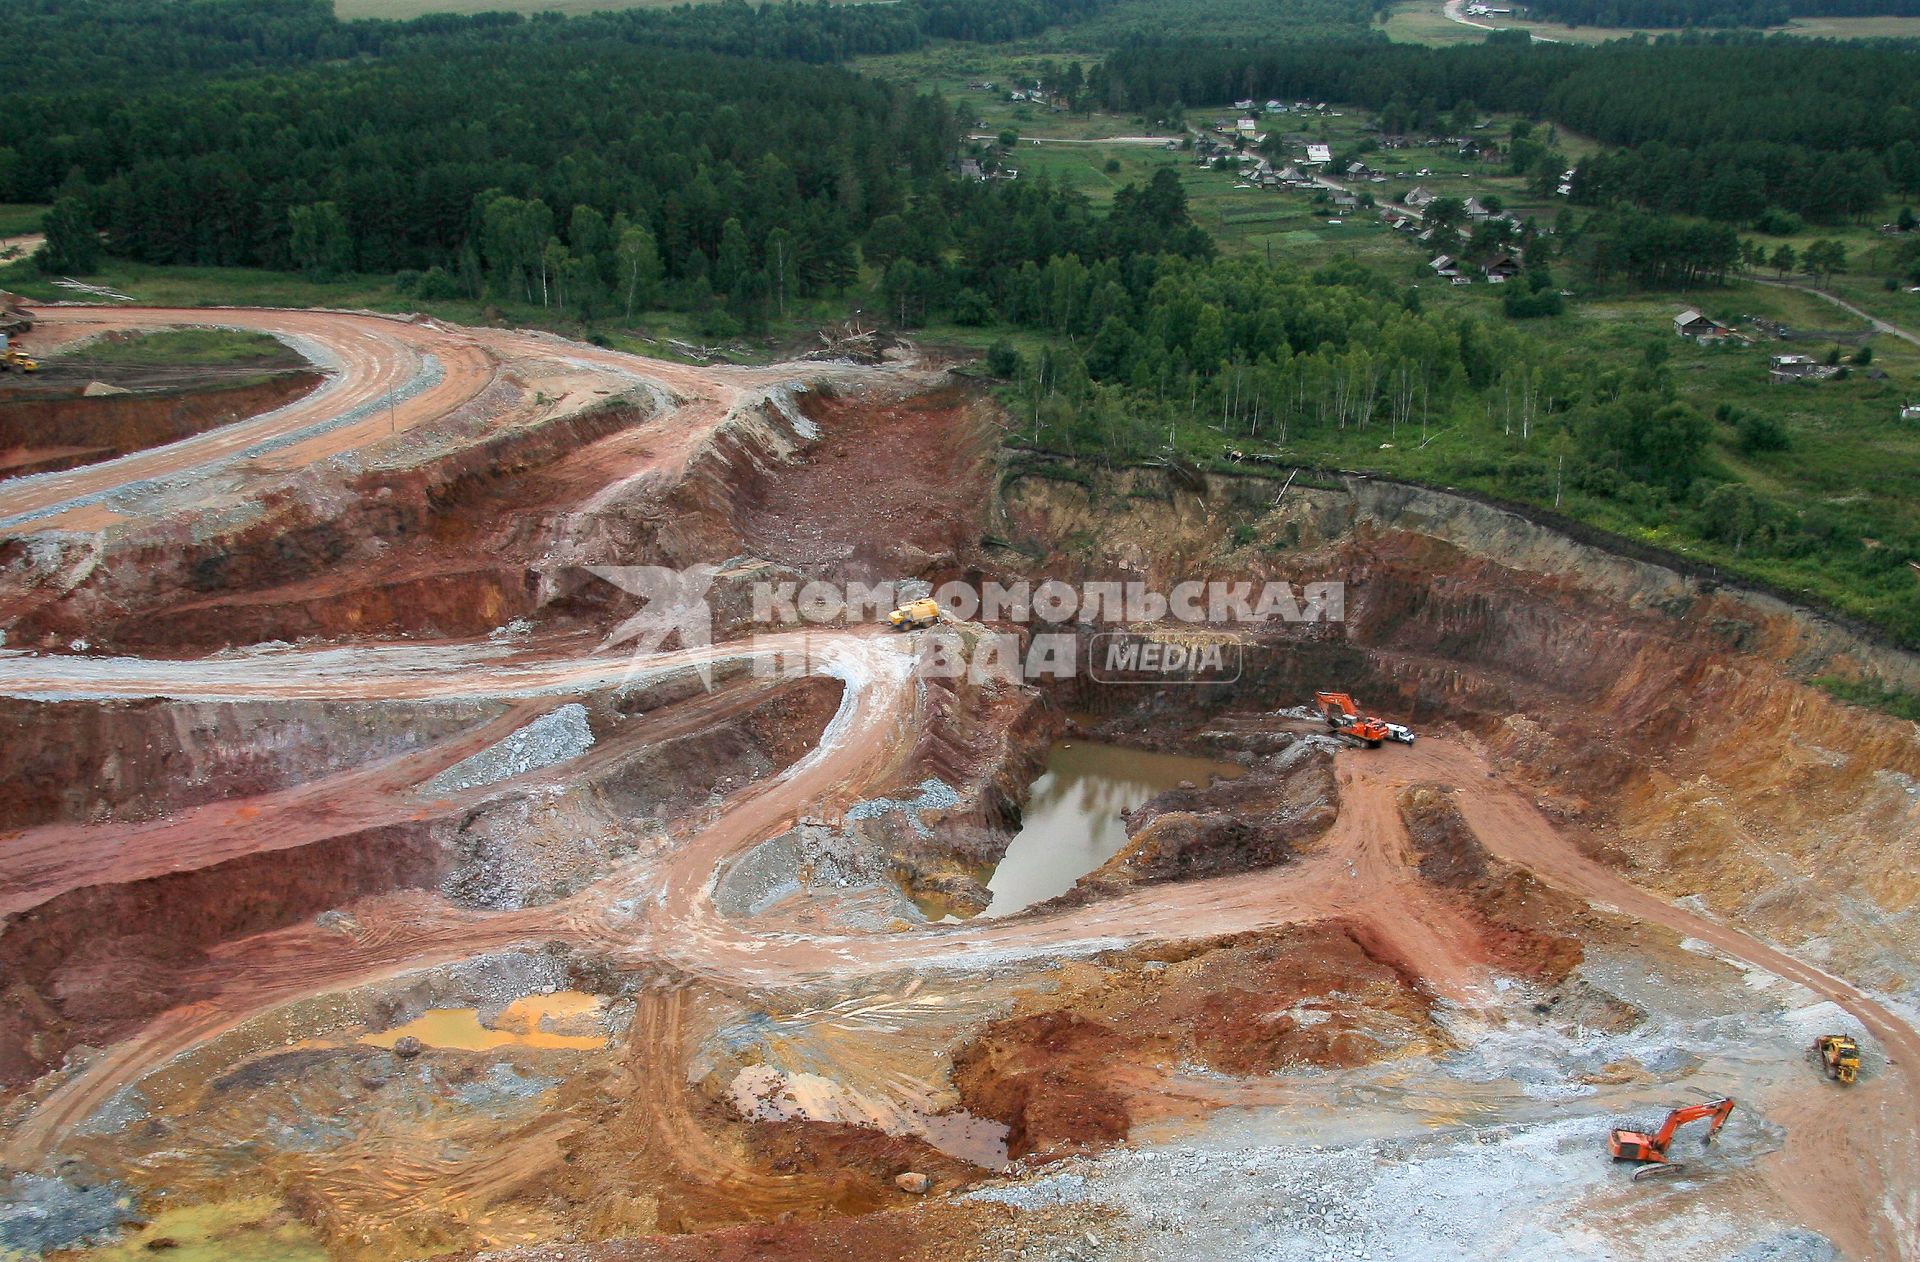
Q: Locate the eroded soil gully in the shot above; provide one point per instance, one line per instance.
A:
(1359, 872)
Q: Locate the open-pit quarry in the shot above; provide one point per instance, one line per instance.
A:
(383, 877)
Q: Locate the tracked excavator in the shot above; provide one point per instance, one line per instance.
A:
(1651, 1150)
(1343, 716)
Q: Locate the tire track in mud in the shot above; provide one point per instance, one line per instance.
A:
(428, 370)
(385, 376)
(1812, 1180)
(666, 915)
(410, 933)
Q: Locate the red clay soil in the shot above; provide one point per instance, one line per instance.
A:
(1073, 1071)
(1048, 1077)
(418, 552)
(109, 930)
(897, 489)
(933, 1232)
(90, 429)
(93, 964)
(1527, 928)
(860, 1161)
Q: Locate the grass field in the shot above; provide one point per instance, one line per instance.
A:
(1849, 450)
(662, 334)
(173, 347)
(349, 10)
(1423, 22)
(18, 219)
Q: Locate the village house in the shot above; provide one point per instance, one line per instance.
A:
(1501, 268)
(1696, 327)
(1443, 265)
(1476, 212)
(1417, 197)
(1320, 154)
(1786, 368)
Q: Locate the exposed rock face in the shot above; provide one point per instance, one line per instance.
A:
(1071, 1070)
(1673, 714)
(1526, 928)
(1259, 820)
(91, 965)
(43, 435)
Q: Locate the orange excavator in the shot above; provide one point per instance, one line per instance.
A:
(1344, 717)
(1651, 1150)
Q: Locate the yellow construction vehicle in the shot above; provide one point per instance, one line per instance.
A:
(13, 359)
(914, 614)
(1839, 1056)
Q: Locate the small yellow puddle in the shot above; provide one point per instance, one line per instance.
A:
(519, 1023)
(253, 1229)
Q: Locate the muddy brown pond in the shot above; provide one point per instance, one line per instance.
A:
(1072, 822)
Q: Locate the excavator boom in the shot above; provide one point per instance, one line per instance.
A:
(1631, 1145)
(1342, 714)
(1336, 703)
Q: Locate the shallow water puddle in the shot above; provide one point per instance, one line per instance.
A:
(252, 1229)
(520, 1022)
(1072, 823)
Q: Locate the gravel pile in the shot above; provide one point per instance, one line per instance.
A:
(1408, 1199)
(38, 1215)
(931, 795)
(814, 857)
(553, 738)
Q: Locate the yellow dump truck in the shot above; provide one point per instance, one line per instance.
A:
(1839, 1055)
(914, 614)
(13, 359)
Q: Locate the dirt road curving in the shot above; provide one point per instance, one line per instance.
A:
(1879, 325)
(1360, 873)
(425, 370)
(661, 911)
